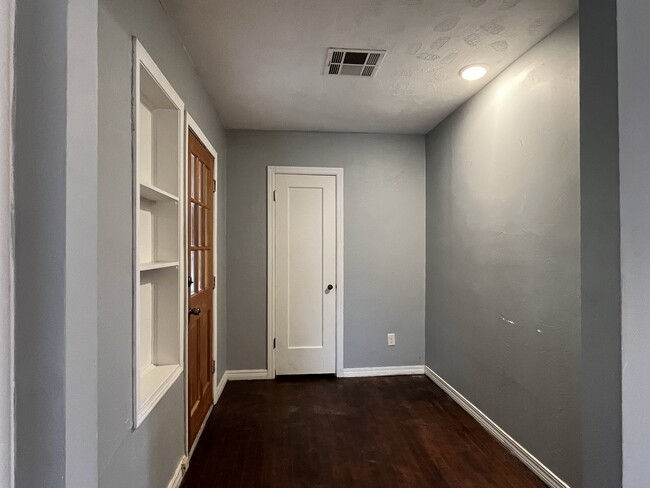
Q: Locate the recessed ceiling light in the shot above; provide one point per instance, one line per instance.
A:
(474, 72)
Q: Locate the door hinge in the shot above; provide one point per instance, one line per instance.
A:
(274, 195)
(273, 343)
(214, 367)
(214, 186)
(214, 282)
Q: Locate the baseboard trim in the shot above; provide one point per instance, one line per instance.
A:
(220, 386)
(382, 371)
(177, 478)
(534, 464)
(247, 374)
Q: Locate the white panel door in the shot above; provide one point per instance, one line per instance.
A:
(305, 278)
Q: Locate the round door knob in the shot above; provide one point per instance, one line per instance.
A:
(194, 311)
(330, 287)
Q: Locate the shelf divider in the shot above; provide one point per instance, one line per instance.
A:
(157, 265)
(155, 194)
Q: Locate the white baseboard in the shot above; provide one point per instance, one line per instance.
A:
(545, 474)
(247, 374)
(220, 386)
(176, 480)
(382, 371)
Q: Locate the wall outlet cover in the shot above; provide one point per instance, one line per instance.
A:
(391, 339)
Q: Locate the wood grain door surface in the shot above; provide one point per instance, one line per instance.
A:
(201, 282)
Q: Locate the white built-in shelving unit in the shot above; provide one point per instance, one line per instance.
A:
(158, 247)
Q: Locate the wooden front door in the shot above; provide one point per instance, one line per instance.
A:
(201, 282)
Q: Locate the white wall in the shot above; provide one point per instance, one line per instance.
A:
(6, 243)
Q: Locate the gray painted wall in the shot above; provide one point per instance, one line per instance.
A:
(40, 169)
(56, 243)
(600, 245)
(503, 251)
(147, 456)
(384, 241)
(634, 120)
(81, 278)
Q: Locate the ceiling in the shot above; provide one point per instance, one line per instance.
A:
(262, 61)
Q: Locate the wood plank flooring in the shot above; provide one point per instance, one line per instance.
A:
(400, 431)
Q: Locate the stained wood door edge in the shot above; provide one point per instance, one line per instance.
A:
(191, 124)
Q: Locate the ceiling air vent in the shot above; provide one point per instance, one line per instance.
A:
(353, 62)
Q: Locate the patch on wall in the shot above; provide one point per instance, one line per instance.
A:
(473, 39)
(500, 46)
(440, 43)
(414, 48)
(536, 27)
(449, 58)
(495, 27)
(508, 4)
(428, 56)
(447, 24)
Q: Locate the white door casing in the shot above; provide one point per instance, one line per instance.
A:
(305, 260)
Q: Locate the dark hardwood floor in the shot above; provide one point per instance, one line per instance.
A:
(361, 432)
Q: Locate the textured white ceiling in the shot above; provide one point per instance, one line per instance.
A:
(262, 60)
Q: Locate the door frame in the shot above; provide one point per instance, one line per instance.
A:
(272, 171)
(190, 123)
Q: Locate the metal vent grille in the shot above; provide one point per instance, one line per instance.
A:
(373, 59)
(353, 62)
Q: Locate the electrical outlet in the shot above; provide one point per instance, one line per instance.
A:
(391, 339)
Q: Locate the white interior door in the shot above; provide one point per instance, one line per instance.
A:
(305, 275)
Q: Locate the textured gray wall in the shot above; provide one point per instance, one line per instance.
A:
(384, 241)
(147, 456)
(634, 119)
(39, 179)
(503, 251)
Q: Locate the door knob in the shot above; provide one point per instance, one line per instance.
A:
(330, 287)
(194, 311)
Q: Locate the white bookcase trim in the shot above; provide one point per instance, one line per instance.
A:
(158, 214)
